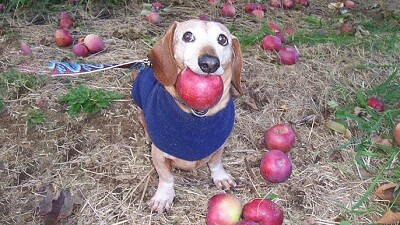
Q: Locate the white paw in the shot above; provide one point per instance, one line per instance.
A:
(221, 178)
(163, 198)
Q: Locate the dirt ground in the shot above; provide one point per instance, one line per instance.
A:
(104, 161)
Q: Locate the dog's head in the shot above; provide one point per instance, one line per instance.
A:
(203, 46)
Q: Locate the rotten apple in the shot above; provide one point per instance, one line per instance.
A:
(279, 137)
(376, 103)
(223, 209)
(200, 92)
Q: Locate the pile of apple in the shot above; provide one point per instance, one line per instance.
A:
(288, 55)
(275, 167)
(92, 43)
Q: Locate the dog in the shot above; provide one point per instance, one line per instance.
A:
(180, 137)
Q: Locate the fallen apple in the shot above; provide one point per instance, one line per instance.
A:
(346, 28)
(258, 13)
(200, 92)
(271, 43)
(249, 7)
(288, 55)
(223, 209)
(93, 43)
(281, 36)
(263, 211)
(376, 103)
(349, 4)
(246, 222)
(25, 49)
(62, 38)
(287, 4)
(397, 134)
(65, 23)
(273, 27)
(2, 7)
(280, 137)
(64, 15)
(275, 3)
(275, 166)
(80, 50)
(157, 6)
(153, 17)
(228, 10)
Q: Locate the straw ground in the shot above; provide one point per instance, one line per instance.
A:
(103, 159)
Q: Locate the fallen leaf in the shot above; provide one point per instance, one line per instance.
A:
(340, 128)
(377, 140)
(336, 5)
(251, 102)
(389, 217)
(61, 207)
(46, 205)
(389, 192)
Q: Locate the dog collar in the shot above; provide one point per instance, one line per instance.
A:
(198, 113)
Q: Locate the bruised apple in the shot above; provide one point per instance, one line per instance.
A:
(279, 137)
(223, 209)
(263, 211)
(376, 103)
(200, 92)
(275, 166)
(62, 38)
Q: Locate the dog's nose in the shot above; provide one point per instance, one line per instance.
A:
(208, 63)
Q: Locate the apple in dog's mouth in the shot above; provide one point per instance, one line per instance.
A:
(199, 92)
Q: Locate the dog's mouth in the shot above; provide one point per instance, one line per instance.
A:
(199, 92)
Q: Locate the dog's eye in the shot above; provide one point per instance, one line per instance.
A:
(222, 40)
(188, 37)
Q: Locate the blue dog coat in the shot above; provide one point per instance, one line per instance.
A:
(174, 131)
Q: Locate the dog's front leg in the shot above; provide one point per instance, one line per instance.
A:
(162, 200)
(221, 178)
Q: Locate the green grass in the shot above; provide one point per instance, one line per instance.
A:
(35, 117)
(370, 123)
(376, 35)
(84, 99)
(14, 84)
(248, 38)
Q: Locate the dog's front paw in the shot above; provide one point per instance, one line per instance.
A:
(163, 198)
(222, 179)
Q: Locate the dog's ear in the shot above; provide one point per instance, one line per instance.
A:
(237, 64)
(162, 58)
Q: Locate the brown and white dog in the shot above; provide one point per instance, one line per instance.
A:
(206, 48)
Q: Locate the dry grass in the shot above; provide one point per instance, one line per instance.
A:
(103, 158)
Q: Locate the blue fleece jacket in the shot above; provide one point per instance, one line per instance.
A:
(175, 132)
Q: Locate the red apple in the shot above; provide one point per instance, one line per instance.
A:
(62, 38)
(93, 43)
(281, 36)
(228, 10)
(273, 27)
(153, 17)
(249, 7)
(64, 15)
(304, 3)
(261, 7)
(200, 92)
(275, 3)
(288, 55)
(397, 134)
(80, 50)
(346, 28)
(349, 4)
(275, 166)
(287, 4)
(65, 23)
(258, 13)
(246, 222)
(25, 49)
(271, 43)
(376, 103)
(223, 209)
(157, 6)
(280, 137)
(289, 30)
(263, 211)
